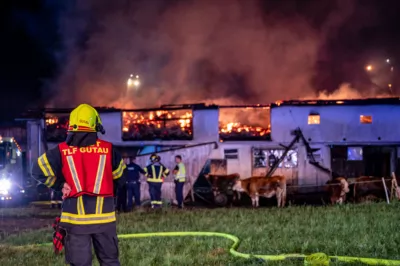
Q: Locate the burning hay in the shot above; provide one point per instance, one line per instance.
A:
(236, 123)
(154, 125)
(254, 123)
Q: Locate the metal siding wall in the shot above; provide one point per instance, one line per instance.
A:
(337, 122)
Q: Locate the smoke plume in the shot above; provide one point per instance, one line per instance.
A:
(188, 51)
(223, 52)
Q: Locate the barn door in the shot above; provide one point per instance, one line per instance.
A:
(377, 161)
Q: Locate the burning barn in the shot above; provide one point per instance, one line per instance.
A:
(303, 140)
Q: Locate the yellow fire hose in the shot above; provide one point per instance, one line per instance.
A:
(313, 259)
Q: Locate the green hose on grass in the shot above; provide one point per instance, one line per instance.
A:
(313, 259)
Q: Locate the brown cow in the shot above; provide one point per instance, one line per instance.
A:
(220, 182)
(337, 189)
(367, 186)
(267, 187)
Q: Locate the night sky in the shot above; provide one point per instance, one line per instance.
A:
(36, 50)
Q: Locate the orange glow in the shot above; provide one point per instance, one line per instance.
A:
(233, 127)
(158, 119)
(51, 120)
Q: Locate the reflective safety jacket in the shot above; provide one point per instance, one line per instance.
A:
(93, 172)
(156, 173)
(180, 175)
(88, 169)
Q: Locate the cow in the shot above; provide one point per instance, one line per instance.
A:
(337, 189)
(267, 187)
(223, 185)
(370, 187)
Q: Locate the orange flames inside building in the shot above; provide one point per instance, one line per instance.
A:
(253, 125)
(177, 125)
(160, 124)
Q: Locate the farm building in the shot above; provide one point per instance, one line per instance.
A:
(348, 138)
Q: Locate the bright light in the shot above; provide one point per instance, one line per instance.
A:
(5, 184)
(369, 68)
(389, 85)
(18, 153)
(387, 60)
(133, 81)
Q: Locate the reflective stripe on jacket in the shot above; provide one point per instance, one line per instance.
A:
(156, 173)
(181, 174)
(88, 170)
(86, 210)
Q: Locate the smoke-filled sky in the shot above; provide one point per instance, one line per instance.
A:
(62, 53)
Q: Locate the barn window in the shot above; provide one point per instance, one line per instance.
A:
(231, 154)
(313, 119)
(264, 158)
(354, 153)
(366, 119)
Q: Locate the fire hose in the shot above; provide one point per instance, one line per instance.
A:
(313, 259)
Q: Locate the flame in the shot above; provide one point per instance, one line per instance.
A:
(158, 119)
(236, 127)
(177, 124)
(51, 120)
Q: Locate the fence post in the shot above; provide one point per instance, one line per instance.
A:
(386, 192)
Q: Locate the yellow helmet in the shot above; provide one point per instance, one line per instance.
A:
(85, 118)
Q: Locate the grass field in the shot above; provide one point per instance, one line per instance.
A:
(369, 230)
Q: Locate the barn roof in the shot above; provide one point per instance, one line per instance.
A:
(370, 101)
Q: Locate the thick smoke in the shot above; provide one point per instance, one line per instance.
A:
(346, 91)
(190, 51)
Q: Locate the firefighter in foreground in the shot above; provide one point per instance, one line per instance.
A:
(155, 172)
(180, 178)
(86, 169)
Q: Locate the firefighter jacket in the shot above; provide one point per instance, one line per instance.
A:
(156, 172)
(93, 170)
(133, 172)
(180, 170)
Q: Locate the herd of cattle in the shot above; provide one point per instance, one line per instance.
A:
(339, 190)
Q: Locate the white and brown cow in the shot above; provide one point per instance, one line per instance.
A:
(337, 189)
(260, 186)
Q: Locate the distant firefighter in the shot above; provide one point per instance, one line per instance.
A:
(133, 171)
(155, 172)
(180, 178)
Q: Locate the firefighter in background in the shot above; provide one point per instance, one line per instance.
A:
(180, 178)
(55, 199)
(155, 172)
(86, 169)
(133, 172)
(121, 195)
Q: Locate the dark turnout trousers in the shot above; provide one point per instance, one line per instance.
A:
(78, 248)
(155, 194)
(179, 192)
(133, 188)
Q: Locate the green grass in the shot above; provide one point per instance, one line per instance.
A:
(369, 230)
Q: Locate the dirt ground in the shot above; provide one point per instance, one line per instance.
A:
(11, 224)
